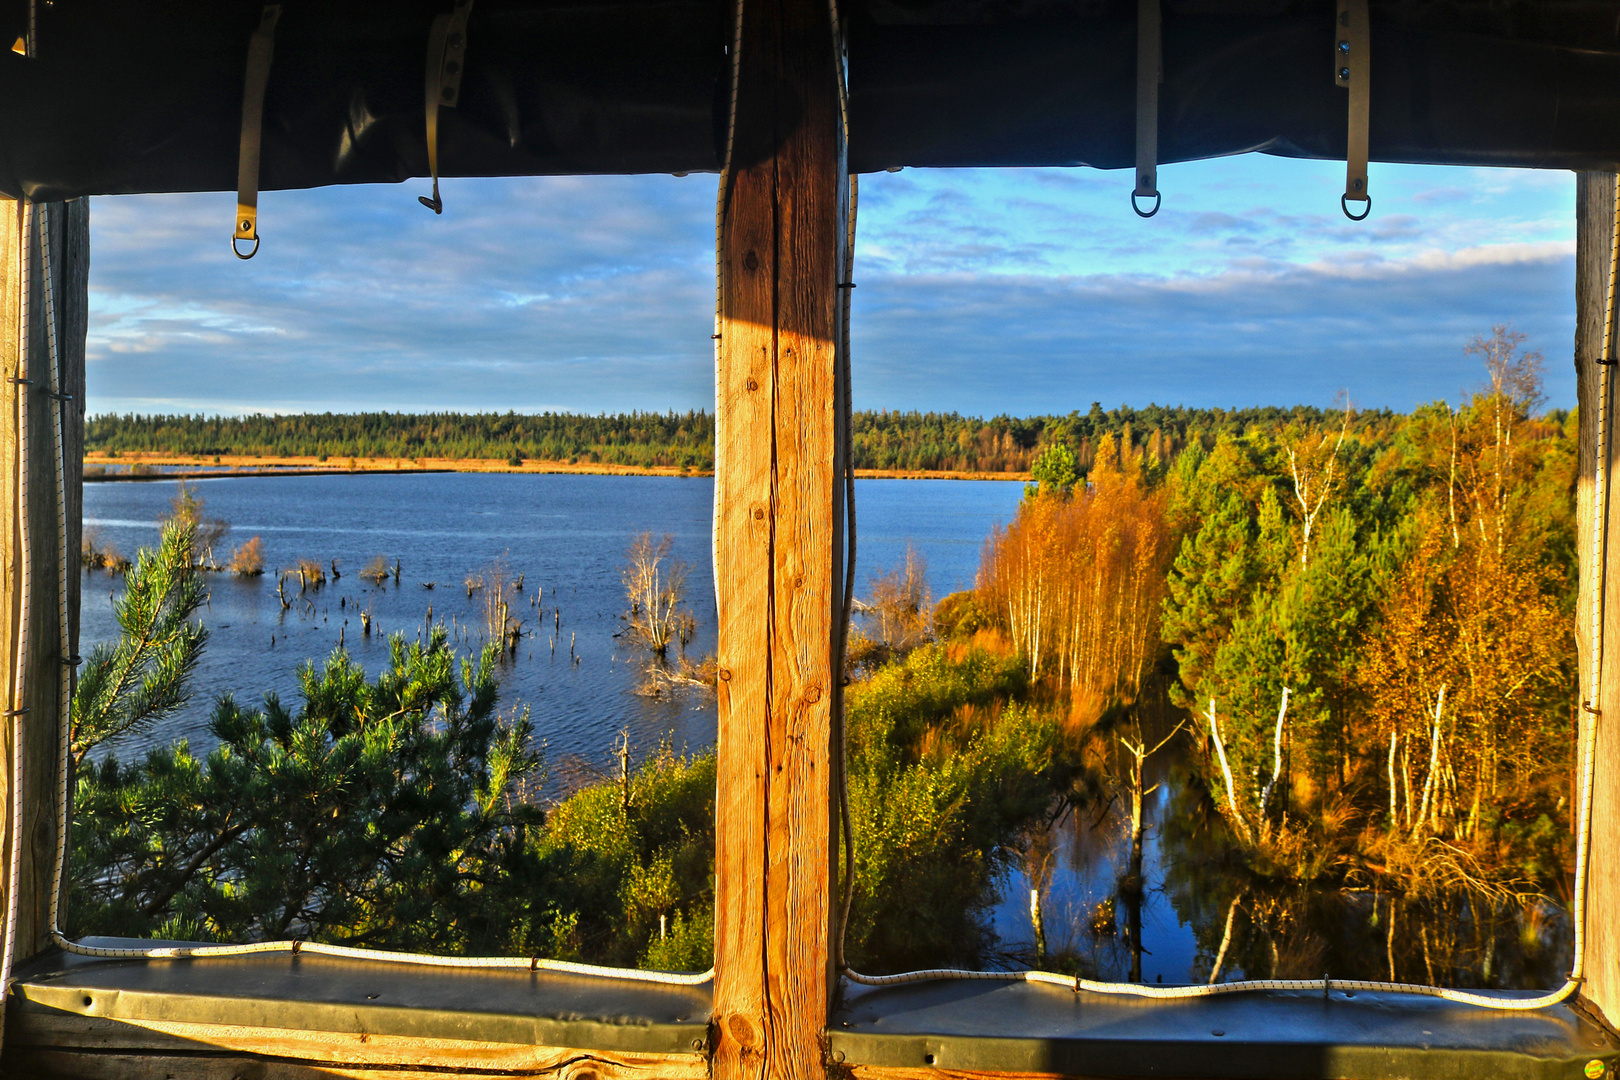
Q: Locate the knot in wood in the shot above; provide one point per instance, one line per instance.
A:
(812, 694)
(750, 261)
(759, 514)
(753, 384)
(742, 1031)
(725, 674)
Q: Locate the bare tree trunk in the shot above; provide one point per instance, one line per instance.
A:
(1276, 756)
(1429, 780)
(1226, 772)
(1394, 791)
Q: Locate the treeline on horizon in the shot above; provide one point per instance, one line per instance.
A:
(888, 440)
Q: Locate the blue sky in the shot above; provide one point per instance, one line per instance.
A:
(980, 291)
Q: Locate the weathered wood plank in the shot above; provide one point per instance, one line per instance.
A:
(98, 1046)
(778, 526)
(879, 1072)
(57, 1064)
(11, 555)
(44, 664)
(1594, 230)
(929, 1072)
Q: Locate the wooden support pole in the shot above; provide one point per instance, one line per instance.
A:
(43, 666)
(778, 541)
(1595, 194)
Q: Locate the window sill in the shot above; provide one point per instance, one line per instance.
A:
(82, 1016)
(78, 1016)
(968, 1027)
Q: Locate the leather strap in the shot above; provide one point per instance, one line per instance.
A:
(446, 59)
(1352, 69)
(261, 48)
(1149, 74)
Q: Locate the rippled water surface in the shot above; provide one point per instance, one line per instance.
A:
(567, 535)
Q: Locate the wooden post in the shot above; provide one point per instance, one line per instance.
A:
(778, 532)
(1595, 193)
(43, 666)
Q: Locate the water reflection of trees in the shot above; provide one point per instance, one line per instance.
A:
(1282, 928)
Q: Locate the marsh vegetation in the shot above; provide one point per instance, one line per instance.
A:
(1306, 682)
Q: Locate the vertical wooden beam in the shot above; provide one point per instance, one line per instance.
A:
(1595, 194)
(778, 545)
(44, 667)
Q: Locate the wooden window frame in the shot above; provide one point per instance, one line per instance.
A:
(779, 559)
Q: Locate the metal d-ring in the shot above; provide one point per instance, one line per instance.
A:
(252, 252)
(1158, 200)
(1344, 204)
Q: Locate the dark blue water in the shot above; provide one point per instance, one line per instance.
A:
(567, 536)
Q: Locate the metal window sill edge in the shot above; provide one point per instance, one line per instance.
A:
(1022, 1028)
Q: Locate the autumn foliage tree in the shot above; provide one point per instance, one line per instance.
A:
(1079, 577)
(1395, 647)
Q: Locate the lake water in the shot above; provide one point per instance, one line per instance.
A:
(568, 536)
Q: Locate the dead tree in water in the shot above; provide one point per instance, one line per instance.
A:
(655, 586)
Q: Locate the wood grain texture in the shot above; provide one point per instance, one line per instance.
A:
(778, 546)
(70, 240)
(61, 1045)
(11, 555)
(54, 1063)
(885, 1072)
(1595, 193)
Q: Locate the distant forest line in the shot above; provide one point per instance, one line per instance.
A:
(884, 440)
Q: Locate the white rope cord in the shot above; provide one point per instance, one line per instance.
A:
(847, 420)
(1583, 833)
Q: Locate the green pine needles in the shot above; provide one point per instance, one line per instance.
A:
(128, 685)
(386, 813)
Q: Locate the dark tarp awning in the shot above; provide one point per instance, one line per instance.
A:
(133, 97)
